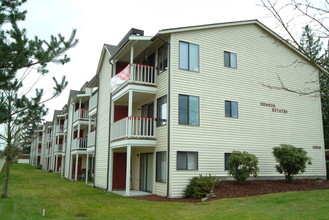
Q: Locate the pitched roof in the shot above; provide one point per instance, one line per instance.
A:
(237, 23)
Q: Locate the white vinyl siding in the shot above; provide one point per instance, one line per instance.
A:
(68, 161)
(258, 129)
(101, 157)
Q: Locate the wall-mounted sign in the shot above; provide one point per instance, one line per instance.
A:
(316, 147)
(274, 108)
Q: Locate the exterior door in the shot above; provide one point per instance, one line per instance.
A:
(119, 170)
(120, 112)
(146, 172)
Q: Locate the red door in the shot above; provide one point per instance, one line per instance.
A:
(79, 167)
(120, 112)
(119, 170)
(59, 163)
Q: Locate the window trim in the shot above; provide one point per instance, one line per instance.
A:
(237, 109)
(197, 161)
(188, 56)
(188, 112)
(156, 164)
(230, 61)
(165, 57)
(159, 112)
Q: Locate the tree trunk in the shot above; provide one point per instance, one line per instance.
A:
(6, 181)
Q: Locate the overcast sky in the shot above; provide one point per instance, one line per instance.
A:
(106, 21)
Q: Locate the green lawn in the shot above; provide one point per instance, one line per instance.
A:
(32, 190)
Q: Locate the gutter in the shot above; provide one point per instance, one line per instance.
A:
(109, 140)
(168, 112)
(94, 160)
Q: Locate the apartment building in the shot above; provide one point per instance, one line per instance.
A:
(37, 146)
(162, 109)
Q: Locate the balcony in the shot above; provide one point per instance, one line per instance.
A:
(79, 143)
(59, 128)
(39, 151)
(93, 102)
(91, 139)
(65, 124)
(80, 114)
(134, 73)
(58, 147)
(138, 130)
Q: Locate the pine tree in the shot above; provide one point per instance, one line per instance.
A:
(20, 113)
(314, 48)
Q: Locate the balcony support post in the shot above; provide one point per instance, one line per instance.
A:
(87, 167)
(130, 112)
(131, 63)
(110, 188)
(76, 167)
(128, 171)
(56, 161)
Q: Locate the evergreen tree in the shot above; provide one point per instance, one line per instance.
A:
(314, 48)
(20, 113)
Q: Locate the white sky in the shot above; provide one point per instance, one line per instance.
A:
(106, 21)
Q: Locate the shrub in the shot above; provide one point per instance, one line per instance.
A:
(292, 160)
(242, 165)
(200, 186)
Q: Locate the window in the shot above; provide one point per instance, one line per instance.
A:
(189, 56)
(163, 58)
(162, 110)
(187, 160)
(226, 157)
(188, 110)
(230, 59)
(161, 166)
(231, 109)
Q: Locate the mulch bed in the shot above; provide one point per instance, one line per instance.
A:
(231, 189)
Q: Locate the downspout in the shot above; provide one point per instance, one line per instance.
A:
(109, 140)
(94, 161)
(168, 116)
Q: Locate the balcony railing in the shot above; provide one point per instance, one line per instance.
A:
(39, 138)
(91, 139)
(39, 151)
(59, 128)
(136, 73)
(79, 143)
(80, 114)
(58, 147)
(47, 151)
(133, 127)
(93, 102)
(49, 136)
(65, 124)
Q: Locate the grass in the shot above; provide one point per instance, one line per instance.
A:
(33, 190)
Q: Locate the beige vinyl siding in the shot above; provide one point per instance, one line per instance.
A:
(68, 167)
(257, 129)
(101, 151)
(161, 132)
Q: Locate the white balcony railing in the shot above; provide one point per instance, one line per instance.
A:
(63, 147)
(58, 147)
(39, 151)
(91, 139)
(136, 73)
(65, 124)
(133, 127)
(47, 151)
(93, 102)
(59, 128)
(80, 114)
(79, 143)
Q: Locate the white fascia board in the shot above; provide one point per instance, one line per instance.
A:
(134, 37)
